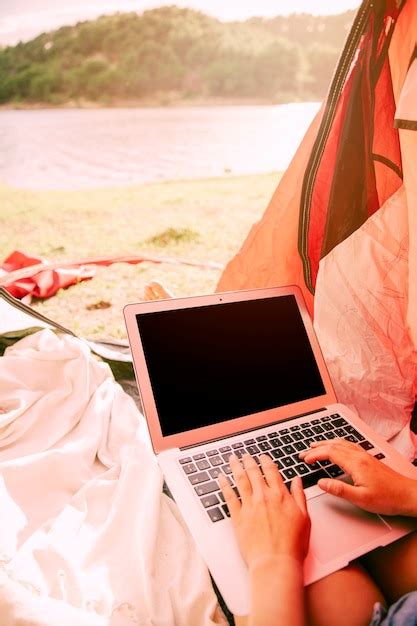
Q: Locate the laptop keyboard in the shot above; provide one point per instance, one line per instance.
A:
(282, 446)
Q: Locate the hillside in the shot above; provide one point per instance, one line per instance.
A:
(170, 53)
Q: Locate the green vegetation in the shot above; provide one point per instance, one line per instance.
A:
(169, 53)
(173, 235)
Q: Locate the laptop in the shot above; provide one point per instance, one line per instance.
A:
(243, 372)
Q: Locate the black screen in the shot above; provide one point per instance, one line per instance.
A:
(215, 363)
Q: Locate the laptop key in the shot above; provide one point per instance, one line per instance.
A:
(227, 456)
(197, 457)
(202, 465)
(290, 473)
(287, 439)
(330, 435)
(249, 442)
(235, 446)
(335, 471)
(340, 432)
(205, 488)
(315, 421)
(289, 449)
(279, 464)
(380, 456)
(326, 418)
(297, 436)
(261, 438)
(264, 446)
(226, 510)
(340, 421)
(272, 435)
(293, 428)
(319, 438)
(189, 469)
(351, 438)
(239, 453)
(302, 469)
(325, 463)
(276, 443)
(300, 445)
(317, 429)
(308, 432)
(328, 426)
(288, 461)
(366, 445)
(225, 449)
(215, 514)
(311, 479)
(226, 469)
(212, 452)
(216, 460)
(215, 472)
(354, 432)
(186, 459)
(277, 454)
(283, 431)
(308, 442)
(196, 479)
(210, 500)
(253, 450)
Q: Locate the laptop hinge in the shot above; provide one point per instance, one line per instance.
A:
(249, 430)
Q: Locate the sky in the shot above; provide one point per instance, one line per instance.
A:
(21, 20)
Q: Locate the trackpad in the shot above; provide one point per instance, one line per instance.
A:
(338, 527)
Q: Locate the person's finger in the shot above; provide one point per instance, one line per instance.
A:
(298, 494)
(334, 452)
(339, 441)
(342, 490)
(271, 474)
(241, 478)
(230, 496)
(254, 475)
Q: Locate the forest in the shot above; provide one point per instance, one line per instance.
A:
(169, 54)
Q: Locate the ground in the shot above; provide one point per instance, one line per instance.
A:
(200, 220)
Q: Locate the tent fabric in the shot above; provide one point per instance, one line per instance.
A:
(92, 541)
(23, 275)
(406, 113)
(374, 375)
(350, 165)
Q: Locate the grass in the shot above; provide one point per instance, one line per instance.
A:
(199, 220)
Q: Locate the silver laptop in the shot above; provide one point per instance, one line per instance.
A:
(243, 372)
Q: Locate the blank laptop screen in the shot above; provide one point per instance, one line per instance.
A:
(215, 363)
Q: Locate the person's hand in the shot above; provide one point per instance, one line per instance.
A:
(270, 521)
(376, 487)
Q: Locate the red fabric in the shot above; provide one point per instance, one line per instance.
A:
(27, 275)
(360, 166)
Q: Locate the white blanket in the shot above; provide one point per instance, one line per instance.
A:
(86, 536)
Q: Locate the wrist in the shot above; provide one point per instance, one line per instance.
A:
(271, 562)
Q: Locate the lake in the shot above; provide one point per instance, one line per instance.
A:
(86, 148)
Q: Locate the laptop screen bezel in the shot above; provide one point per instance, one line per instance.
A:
(238, 424)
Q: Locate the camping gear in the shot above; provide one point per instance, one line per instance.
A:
(342, 223)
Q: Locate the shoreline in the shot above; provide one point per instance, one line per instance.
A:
(147, 103)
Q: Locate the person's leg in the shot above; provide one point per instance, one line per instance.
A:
(345, 598)
(156, 291)
(394, 568)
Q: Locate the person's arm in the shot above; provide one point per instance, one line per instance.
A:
(272, 528)
(376, 487)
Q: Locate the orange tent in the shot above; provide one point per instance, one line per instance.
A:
(342, 223)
